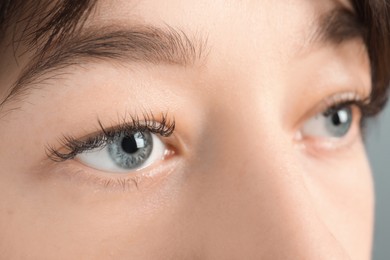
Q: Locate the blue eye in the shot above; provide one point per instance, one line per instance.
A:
(130, 151)
(334, 123)
(125, 152)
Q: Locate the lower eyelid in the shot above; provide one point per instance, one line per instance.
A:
(81, 175)
(69, 146)
(322, 105)
(319, 146)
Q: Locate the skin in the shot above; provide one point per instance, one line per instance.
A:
(242, 180)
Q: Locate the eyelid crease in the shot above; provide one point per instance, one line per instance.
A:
(74, 146)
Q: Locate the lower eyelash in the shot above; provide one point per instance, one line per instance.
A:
(73, 146)
(122, 183)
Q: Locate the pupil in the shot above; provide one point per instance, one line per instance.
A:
(129, 144)
(336, 119)
(340, 117)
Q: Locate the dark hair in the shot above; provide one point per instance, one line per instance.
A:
(65, 16)
(374, 15)
(40, 18)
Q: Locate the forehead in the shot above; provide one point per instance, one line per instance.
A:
(175, 10)
(203, 14)
(242, 32)
(258, 19)
(226, 24)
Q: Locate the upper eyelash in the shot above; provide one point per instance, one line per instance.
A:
(336, 102)
(366, 107)
(164, 127)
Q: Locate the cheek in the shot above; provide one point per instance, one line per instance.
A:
(79, 219)
(229, 194)
(343, 195)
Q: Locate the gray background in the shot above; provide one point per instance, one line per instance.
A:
(378, 148)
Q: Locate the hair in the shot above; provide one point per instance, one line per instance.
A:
(374, 15)
(45, 24)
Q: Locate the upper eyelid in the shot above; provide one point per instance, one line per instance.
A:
(332, 100)
(164, 126)
(337, 100)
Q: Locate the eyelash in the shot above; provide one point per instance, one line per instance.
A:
(163, 127)
(334, 103)
(166, 127)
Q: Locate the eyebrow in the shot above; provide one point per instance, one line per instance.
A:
(153, 45)
(338, 26)
(139, 44)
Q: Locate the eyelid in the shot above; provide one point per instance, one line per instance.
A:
(332, 101)
(164, 126)
(343, 99)
(70, 146)
(80, 174)
(318, 145)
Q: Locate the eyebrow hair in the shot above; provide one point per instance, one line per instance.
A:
(139, 44)
(145, 44)
(338, 26)
(153, 45)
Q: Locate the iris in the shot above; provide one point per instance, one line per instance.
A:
(130, 151)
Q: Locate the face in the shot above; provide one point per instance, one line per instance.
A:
(190, 130)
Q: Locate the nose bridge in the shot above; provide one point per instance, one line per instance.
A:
(257, 203)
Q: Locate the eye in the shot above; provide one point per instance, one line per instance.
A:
(334, 123)
(125, 152)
